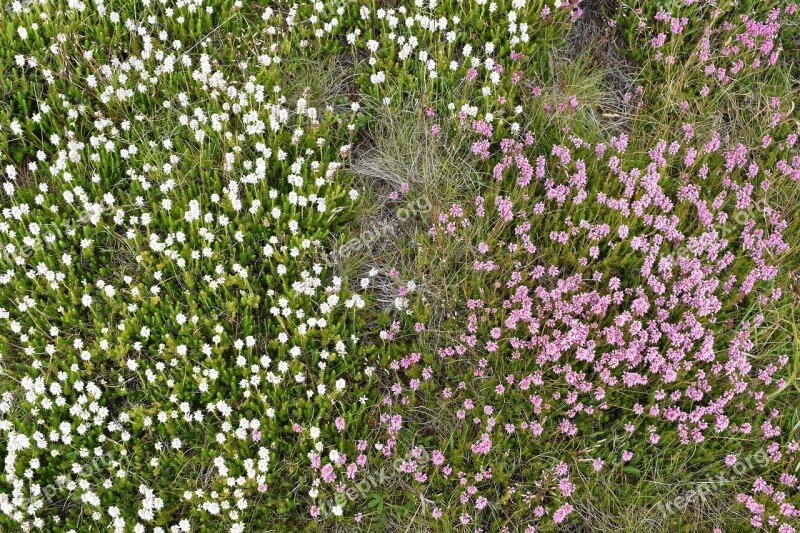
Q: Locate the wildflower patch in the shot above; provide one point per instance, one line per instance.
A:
(514, 265)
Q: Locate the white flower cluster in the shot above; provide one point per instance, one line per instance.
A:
(177, 322)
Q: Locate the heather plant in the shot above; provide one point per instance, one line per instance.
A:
(437, 266)
(542, 376)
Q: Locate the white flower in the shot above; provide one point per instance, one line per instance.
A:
(378, 78)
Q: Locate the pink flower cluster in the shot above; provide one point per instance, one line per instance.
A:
(616, 327)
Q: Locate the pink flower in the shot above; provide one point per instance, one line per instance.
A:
(561, 513)
(327, 474)
(627, 456)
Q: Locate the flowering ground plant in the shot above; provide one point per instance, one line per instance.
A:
(435, 266)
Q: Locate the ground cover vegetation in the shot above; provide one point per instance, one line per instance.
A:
(434, 265)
